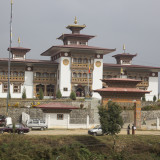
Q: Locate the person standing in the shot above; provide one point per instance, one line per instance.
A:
(133, 129)
(128, 129)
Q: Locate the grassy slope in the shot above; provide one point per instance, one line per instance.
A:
(17, 147)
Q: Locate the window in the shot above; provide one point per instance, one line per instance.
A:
(16, 88)
(65, 89)
(5, 88)
(59, 116)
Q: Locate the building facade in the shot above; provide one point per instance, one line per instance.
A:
(73, 66)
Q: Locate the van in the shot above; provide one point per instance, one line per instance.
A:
(37, 124)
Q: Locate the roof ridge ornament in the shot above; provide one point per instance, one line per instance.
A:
(75, 20)
(124, 48)
(19, 41)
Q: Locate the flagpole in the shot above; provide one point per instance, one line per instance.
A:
(9, 60)
(88, 77)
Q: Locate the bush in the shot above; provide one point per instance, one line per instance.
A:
(154, 98)
(24, 94)
(58, 95)
(41, 94)
(73, 95)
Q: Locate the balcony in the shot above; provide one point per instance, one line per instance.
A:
(143, 84)
(81, 65)
(82, 80)
(47, 80)
(12, 78)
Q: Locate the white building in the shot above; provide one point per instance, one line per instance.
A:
(72, 66)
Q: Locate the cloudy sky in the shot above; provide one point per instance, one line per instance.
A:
(38, 23)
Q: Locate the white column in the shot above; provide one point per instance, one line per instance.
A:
(68, 120)
(97, 76)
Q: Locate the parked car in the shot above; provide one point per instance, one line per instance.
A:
(19, 128)
(97, 130)
(36, 124)
(2, 120)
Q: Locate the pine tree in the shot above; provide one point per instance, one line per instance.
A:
(24, 94)
(144, 98)
(73, 95)
(41, 94)
(58, 95)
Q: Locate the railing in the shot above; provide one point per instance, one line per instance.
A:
(81, 80)
(81, 65)
(143, 84)
(44, 80)
(12, 78)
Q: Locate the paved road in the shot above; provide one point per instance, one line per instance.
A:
(84, 132)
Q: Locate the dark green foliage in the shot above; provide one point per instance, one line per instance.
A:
(73, 95)
(23, 147)
(24, 94)
(41, 94)
(154, 98)
(144, 98)
(110, 118)
(58, 95)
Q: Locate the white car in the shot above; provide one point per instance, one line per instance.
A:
(36, 124)
(97, 130)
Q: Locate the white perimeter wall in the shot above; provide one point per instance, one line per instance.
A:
(28, 84)
(153, 87)
(64, 76)
(97, 75)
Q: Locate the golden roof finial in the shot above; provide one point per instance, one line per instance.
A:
(75, 20)
(19, 41)
(124, 48)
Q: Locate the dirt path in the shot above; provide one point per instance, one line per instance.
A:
(84, 132)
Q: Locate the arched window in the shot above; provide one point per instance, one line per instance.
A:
(21, 73)
(79, 60)
(52, 75)
(79, 75)
(45, 74)
(15, 74)
(85, 60)
(85, 75)
(38, 74)
(145, 79)
(74, 75)
(75, 60)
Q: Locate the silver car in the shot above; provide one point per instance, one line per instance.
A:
(97, 130)
(36, 124)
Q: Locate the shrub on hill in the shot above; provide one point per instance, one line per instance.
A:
(59, 94)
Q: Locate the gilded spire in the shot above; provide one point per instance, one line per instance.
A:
(75, 20)
(19, 41)
(124, 48)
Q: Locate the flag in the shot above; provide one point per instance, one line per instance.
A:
(122, 71)
(89, 69)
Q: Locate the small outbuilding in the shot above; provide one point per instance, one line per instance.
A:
(57, 115)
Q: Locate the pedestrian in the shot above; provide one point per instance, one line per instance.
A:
(133, 129)
(128, 129)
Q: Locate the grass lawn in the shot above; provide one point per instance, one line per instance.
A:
(25, 147)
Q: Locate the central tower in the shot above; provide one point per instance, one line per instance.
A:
(80, 65)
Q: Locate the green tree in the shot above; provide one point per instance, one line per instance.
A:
(41, 94)
(24, 94)
(58, 94)
(110, 119)
(154, 98)
(73, 95)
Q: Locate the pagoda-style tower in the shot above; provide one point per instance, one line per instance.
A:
(80, 65)
(124, 92)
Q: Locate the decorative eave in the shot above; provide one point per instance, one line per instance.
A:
(109, 65)
(69, 48)
(56, 105)
(75, 26)
(120, 80)
(121, 90)
(63, 36)
(19, 49)
(124, 55)
(29, 61)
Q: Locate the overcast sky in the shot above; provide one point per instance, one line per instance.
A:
(38, 23)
